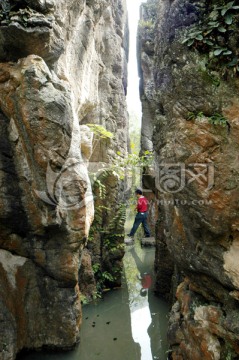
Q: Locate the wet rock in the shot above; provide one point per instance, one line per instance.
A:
(86, 276)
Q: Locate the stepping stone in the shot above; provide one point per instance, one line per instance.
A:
(150, 241)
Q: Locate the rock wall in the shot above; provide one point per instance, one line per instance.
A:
(62, 66)
(107, 232)
(196, 179)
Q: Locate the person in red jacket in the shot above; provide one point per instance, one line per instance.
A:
(142, 214)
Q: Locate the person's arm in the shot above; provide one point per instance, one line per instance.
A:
(136, 207)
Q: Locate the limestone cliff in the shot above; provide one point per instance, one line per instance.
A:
(191, 113)
(62, 66)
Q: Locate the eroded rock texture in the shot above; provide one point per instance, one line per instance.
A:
(61, 63)
(196, 180)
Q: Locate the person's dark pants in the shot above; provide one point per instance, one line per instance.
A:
(140, 218)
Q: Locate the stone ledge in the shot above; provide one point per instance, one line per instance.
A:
(148, 241)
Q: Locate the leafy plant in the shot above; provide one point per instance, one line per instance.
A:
(194, 115)
(146, 27)
(127, 164)
(95, 268)
(215, 119)
(148, 24)
(102, 276)
(84, 300)
(108, 230)
(107, 276)
(218, 119)
(100, 131)
(100, 185)
(191, 116)
(108, 224)
(207, 35)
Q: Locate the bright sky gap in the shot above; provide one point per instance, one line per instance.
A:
(133, 99)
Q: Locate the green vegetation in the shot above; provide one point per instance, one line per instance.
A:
(100, 131)
(127, 164)
(146, 24)
(215, 119)
(86, 300)
(110, 235)
(193, 116)
(146, 27)
(100, 275)
(122, 164)
(108, 225)
(211, 35)
(228, 352)
(218, 119)
(134, 133)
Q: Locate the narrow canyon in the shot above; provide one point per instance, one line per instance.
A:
(65, 130)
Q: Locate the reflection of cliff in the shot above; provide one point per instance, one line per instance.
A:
(139, 305)
(63, 65)
(148, 318)
(198, 226)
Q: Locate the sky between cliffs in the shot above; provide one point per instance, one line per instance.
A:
(133, 101)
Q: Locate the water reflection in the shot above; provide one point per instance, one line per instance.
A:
(129, 323)
(148, 320)
(139, 305)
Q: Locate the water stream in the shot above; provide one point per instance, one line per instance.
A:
(128, 323)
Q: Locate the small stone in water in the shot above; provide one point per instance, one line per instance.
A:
(108, 322)
(115, 339)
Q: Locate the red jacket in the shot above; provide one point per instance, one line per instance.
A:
(142, 204)
(146, 281)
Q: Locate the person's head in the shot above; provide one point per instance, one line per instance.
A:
(138, 192)
(143, 292)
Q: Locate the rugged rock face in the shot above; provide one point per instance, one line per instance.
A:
(109, 109)
(62, 66)
(196, 180)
